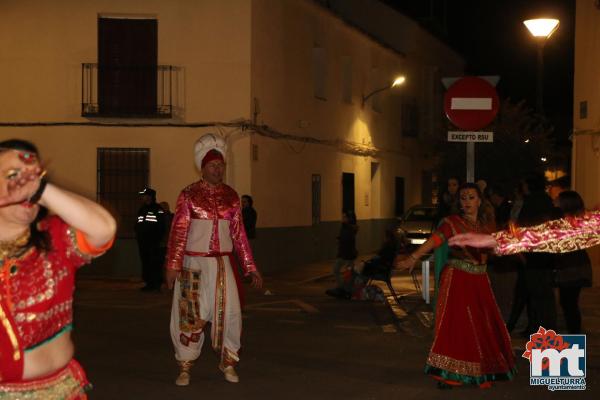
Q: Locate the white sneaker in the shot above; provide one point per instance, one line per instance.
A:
(183, 379)
(230, 374)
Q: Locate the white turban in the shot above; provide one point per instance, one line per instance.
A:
(206, 143)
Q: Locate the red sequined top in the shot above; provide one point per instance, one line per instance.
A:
(38, 286)
(208, 222)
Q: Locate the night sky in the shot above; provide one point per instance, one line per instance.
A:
(493, 40)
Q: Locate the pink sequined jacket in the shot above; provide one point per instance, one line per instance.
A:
(207, 223)
(557, 236)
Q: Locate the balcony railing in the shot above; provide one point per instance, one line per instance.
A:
(129, 91)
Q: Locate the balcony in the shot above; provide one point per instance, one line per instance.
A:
(129, 91)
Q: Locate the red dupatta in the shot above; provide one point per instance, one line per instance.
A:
(11, 352)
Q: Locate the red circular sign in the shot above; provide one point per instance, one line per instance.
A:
(471, 103)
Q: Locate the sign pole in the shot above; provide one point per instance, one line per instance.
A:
(470, 162)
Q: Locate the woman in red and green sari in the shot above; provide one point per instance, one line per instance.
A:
(471, 344)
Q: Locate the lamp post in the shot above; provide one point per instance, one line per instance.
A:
(541, 29)
(399, 80)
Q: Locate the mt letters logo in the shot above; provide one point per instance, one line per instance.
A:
(556, 361)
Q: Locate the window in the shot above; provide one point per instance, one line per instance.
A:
(375, 190)
(127, 67)
(347, 80)
(376, 84)
(347, 191)
(316, 199)
(319, 73)
(583, 109)
(399, 203)
(410, 118)
(122, 173)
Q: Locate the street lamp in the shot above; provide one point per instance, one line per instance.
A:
(398, 81)
(541, 29)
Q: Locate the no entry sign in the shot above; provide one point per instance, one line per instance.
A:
(471, 103)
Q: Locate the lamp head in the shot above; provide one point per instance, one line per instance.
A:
(399, 81)
(542, 28)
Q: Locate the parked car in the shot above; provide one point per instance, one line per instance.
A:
(417, 224)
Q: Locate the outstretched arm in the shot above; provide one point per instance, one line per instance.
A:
(443, 232)
(410, 261)
(480, 240)
(557, 236)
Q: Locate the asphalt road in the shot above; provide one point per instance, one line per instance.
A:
(297, 344)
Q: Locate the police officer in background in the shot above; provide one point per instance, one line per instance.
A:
(149, 230)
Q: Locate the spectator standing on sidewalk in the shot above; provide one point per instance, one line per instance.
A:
(448, 201)
(168, 216)
(249, 215)
(149, 230)
(346, 254)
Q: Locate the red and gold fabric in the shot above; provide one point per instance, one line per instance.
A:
(36, 292)
(69, 383)
(11, 352)
(218, 208)
(471, 344)
(557, 236)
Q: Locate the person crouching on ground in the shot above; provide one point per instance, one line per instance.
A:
(346, 255)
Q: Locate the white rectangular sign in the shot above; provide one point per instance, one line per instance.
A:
(461, 136)
(471, 103)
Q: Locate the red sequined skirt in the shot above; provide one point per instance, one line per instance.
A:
(471, 344)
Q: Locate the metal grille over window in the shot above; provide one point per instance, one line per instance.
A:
(158, 99)
(316, 199)
(122, 173)
(410, 118)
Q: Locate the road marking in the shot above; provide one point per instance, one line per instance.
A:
(398, 311)
(426, 318)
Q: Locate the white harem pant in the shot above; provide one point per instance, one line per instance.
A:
(205, 292)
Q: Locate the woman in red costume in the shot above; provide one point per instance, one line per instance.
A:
(39, 256)
(471, 344)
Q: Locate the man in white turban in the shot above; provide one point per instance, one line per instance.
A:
(207, 226)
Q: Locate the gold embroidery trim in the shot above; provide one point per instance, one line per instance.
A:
(453, 365)
(219, 325)
(467, 266)
(72, 239)
(63, 387)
